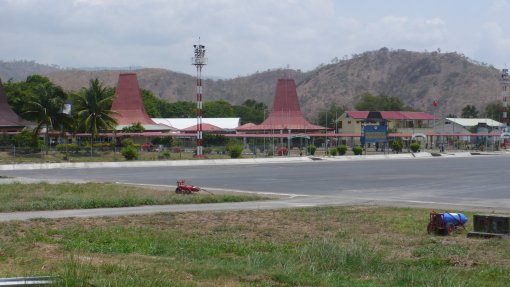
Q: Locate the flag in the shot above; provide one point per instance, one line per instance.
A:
(66, 109)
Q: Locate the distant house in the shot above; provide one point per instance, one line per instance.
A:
(398, 121)
(466, 125)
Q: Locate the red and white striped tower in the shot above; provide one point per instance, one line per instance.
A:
(199, 61)
(504, 95)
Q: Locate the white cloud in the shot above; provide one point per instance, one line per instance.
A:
(241, 36)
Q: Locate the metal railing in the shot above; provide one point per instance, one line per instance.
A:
(27, 281)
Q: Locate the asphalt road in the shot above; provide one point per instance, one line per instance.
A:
(473, 181)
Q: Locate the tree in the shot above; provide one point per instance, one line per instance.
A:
(369, 102)
(330, 115)
(469, 112)
(494, 110)
(134, 128)
(18, 92)
(152, 104)
(180, 109)
(44, 106)
(218, 109)
(93, 107)
(251, 111)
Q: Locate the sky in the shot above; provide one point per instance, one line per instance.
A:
(242, 37)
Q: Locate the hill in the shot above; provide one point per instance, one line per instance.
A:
(19, 70)
(417, 78)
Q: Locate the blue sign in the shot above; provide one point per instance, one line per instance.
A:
(374, 134)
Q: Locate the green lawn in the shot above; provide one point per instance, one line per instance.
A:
(45, 196)
(344, 246)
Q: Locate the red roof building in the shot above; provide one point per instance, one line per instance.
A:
(393, 115)
(205, 127)
(286, 116)
(9, 120)
(401, 121)
(128, 105)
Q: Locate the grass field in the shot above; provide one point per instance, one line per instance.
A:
(344, 246)
(45, 196)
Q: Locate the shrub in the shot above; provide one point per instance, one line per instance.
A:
(25, 141)
(165, 141)
(130, 152)
(311, 149)
(68, 147)
(208, 150)
(127, 142)
(342, 149)
(235, 148)
(357, 150)
(333, 151)
(397, 145)
(281, 151)
(235, 151)
(164, 155)
(134, 128)
(102, 146)
(415, 147)
(176, 149)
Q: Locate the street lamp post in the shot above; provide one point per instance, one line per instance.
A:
(199, 61)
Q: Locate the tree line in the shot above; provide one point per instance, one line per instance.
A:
(39, 100)
(42, 102)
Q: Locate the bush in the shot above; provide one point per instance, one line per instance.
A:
(165, 141)
(281, 151)
(24, 141)
(342, 149)
(235, 148)
(415, 147)
(130, 152)
(164, 155)
(396, 145)
(357, 150)
(127, 142)
(177, 149)
(311, 149)
(68, 147)
(235, 151)
(102, 146)
(333, 151)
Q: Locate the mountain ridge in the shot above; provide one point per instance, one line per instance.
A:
(417, 78)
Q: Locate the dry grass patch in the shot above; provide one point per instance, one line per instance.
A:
(346, 246)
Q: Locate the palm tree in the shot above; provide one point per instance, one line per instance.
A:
(93, 107)
(44, 106)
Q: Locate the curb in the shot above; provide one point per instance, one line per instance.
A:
(240, 161)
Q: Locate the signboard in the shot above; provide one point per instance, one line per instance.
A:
(374, 134)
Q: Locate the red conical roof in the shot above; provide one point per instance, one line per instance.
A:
(286, 113)
(128, 102)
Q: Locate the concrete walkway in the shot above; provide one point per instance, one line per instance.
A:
(240, 161)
